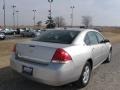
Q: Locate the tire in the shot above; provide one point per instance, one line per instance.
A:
(109, 58)
(22, 35)
(14, 33)
(3, 39)
(85, 76)
(32, 35)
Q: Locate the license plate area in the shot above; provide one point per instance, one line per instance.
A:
(27, 70)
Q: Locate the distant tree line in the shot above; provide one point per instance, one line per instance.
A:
(59, 21)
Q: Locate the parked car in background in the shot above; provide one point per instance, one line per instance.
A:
(2, 36)
(9, 31)
(59, 57)
(28, 33)
(14, 31)
(22, 30)
(39, 32)
(31, 33)
(0, 29)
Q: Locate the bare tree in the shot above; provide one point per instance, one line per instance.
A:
(87, 21)
(59, 21)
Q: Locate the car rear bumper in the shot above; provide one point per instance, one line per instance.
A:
(52, 74)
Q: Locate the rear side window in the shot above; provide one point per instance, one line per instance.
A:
(93, 38)
(58, 36)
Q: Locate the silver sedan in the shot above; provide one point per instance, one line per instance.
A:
(59, 57)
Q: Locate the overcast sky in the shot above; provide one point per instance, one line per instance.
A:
(103, 12)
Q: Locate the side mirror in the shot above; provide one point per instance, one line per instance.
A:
(105, 41)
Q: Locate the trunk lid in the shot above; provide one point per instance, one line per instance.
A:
(38, 52)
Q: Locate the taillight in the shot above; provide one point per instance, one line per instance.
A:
(61, 56)
(14, 48)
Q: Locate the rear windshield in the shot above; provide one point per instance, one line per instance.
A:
(58, 36)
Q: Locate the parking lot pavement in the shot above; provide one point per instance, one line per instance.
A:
(8, 37)
(105, 77)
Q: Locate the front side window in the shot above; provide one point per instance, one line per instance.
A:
(92, 38)
(100, 37)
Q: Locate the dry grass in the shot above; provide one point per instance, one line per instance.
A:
(112, 29)
(113, 37)
(6, 47)
(5, 51)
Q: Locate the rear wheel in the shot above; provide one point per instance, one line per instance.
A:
(14, 33)
(85, 76)
(32, 35)
(22, 35)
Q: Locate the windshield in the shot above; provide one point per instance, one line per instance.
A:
(58, 36)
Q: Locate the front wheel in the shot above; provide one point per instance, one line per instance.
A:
(109, 58)
(32, 35)
(85, 76)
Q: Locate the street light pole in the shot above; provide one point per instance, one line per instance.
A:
(17, 12)
(4, 8)
(14, 15)
(50, 12)
(34, 17)
(72, 15)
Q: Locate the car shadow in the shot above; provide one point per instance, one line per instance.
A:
(10, 80)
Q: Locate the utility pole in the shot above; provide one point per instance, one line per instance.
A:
(34, 17)
(17, 12)
(13, 15)
(72, 15)
(4, 8)
(50, 12)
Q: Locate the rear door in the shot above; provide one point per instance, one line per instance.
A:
(95, 48)
(104, 50)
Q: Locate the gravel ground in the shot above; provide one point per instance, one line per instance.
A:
(105, 77)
